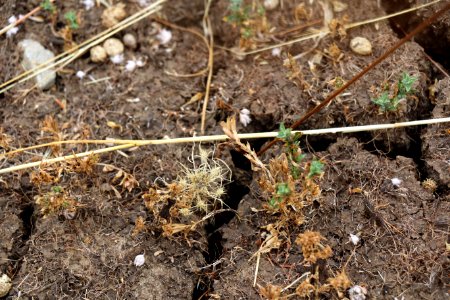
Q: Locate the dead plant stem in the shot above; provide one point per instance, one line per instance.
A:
(125, 144)
(210, 72)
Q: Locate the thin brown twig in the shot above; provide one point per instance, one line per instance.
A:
(324, 103)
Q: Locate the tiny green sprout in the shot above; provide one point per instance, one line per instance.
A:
(316, 168)
(273, 202)
(238, 13)
(390, 103)
(48, 6)
(281, 192)
(284, 133)
(283, 189)
(300, 157)
(405, 84)
(56, 189)
(72, 19)
(261, 11)
(338, 82)
(385, 102)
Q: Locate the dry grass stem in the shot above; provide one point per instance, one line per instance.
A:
(125, 144)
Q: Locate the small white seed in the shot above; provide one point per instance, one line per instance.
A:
(271, 4)
(361, 46)
(113, 47)
(98, 54)
(130, 41)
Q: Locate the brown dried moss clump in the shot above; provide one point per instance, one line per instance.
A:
(312, 247)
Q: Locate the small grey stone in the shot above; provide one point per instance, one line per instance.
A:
(34, 54)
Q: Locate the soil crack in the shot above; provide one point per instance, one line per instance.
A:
(235, 192)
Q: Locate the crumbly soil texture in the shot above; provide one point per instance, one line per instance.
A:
(389, 188)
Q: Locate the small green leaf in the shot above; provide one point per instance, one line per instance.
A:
(385, 102)
(316, 168)
(48, 6)
(283, 189)
(405, 83)
(71, 18)
(274, 202)
(300, 157)
(284, 133)
(56, 189)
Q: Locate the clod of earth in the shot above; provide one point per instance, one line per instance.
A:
(113, 47)
(98, 54)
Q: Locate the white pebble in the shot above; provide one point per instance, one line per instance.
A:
(357, 292)
(117, 59)
(271, 4)
(276, 52)
(354, 239)
(80, 74)
(361, 46)
(88, 4)
(244, 117)
(130, 66)
(396, 181)
(130, 41)
(139, 260)
(164, 36)
(13, 30)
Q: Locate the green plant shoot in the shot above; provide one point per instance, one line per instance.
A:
(72, 19)
(404, 89)
(316, 168)
(48, 6)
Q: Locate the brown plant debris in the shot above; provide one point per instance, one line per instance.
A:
(312, 247)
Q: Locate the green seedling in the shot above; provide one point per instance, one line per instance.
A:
(315, 169)
(386, 102)
(72, 20)
(248, 19)
(282, 192)
(238, 13)
(48, 6)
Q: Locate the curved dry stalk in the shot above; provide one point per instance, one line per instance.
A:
(125, 144)
(208, 31)
(70, 55)
(323, 33)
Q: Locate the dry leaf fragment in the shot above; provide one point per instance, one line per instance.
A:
(270, 292)
(114, 125)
